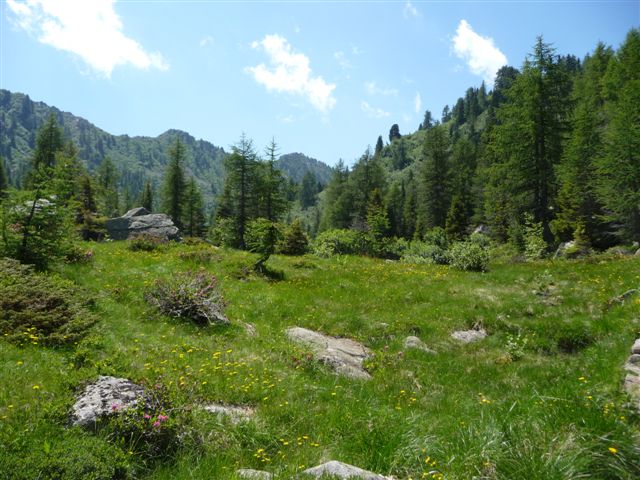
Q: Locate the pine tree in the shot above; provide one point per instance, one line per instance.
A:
(146, 200)
(619, 167)
(107, 181)
(338, 202)
(308, 190)
(427, 123)
(433, 190)
(379, 146)
(399, 151)
(579, 209)
(49, 142)
(395, 205)
(367, 175)
(175, 184)
(4, 180)
(241, 168)
(528, 138)
(273, 186)
(194, 221)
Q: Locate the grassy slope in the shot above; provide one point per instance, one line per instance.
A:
(467, 409)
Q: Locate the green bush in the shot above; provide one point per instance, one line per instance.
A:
(425, 253)
(224, 233)
(534, 245)
(36, 232)
(339, 242)
(146, 242)
(295, 240)
(438, 237)
(41, 309)
(199, 255)
(150, 429)
(191, 295)
(468, 256)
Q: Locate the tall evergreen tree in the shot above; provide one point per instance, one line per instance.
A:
(4, 179)
(528, 138)
(338, 202)
(619, 166)
(433, 193)
(427, 122)
(379, 146)
(146, 199)
(175, 184)
(366, 176)
(394, 132)
(107, 181)
(273, 186)
(578, 206)
(308, 190)
(193, 218)
(49, 141)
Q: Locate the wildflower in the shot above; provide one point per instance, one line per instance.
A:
(613, 450)
(162, 418)
(114, 407)
(36, 387)
(156, 423)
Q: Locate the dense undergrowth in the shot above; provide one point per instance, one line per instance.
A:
(539, 398)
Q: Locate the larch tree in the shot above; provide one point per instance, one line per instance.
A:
(175, 184)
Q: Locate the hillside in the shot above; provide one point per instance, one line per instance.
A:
(137, 158)
(539, 398)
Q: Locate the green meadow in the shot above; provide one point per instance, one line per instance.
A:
(539, 398)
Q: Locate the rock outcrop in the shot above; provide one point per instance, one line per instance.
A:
(341, 470)
(416, 344)
(343, 355)
(235, 413)
(106, 396)
(632, 379)
(254, 474)
(139, 221)
(469, 336)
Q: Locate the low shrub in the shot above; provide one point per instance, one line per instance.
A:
(149, 430)
(295, 240)
(41, 309)
(198, 255)
(146, 242)
(534, 245)
(338, 242)
(191, 295)
(468, 256)
(425, 253)
(436, 236)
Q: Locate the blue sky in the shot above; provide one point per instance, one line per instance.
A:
(323, 78)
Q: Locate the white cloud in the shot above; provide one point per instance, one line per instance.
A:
(410, 11)
(90, 29)
(482, 56)
(372, 89)
(206, 41)
(417, 103)
(286, 119)
(373, 112)
(289, 72)
(342, 60)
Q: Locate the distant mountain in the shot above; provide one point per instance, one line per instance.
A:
(137, 158)
(296, 165)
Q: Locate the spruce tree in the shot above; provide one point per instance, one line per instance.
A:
(193, 218)
(433, 190)
(379, 146)
(4, 180)
(107, 181)
(394, 132)
(49, 141)
(146, 200)
(175, 184)
(308, 190)
(272, 198)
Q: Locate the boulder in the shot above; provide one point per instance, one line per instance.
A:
(138, 221)
(570, 250)
(106, 396)
(637, 254)
(632, 379)
(416, 343)
(235, 413)
(469, 336)
(635, 349)
(341, 470)
(254, 474)
(343, 355)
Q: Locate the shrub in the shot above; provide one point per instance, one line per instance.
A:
(534, 245)
(191, 295)
(338, 242)
(480, 239)
(34, 230)
(146, 242)
(468, 256)
(425, 253)
(41, 309)
(224, 233)
(437, 236)
(295, 240)
(150, 429)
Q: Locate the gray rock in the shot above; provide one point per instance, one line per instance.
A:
(634, 359)
(343, 355)
(106, 396)
(138, 221)
(637, 254)
(570, 250)
(632, 379)
(235, 413)
(254, 474)
(635, 350)
(469, 336)
(415, 342)
(342, 470)
(483, 229)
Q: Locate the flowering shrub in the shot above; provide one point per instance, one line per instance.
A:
(191, 295)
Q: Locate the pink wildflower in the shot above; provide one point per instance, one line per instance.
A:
(156, 423)
(162, 418)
